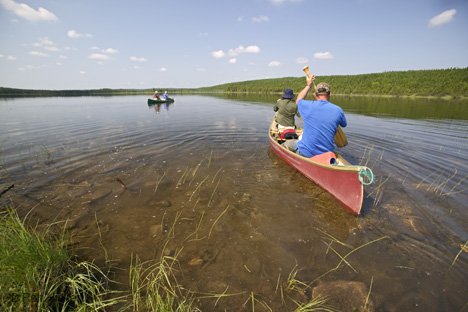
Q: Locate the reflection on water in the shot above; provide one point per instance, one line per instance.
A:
(406, 107)
(199, 176)
(157, 107)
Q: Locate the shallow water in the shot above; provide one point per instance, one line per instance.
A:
(197, 179)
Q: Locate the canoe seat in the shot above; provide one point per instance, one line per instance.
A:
(328, 158)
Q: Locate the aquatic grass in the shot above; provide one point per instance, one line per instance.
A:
(198, 187)
(440, 183)
(214, 191)
(217, 219)
(378, 190)
(318, 304)
(38, 273)
(278, 286)
(293, 284)
(253, 300)
(463, 248)
(106, 255)
(159, 182)
(182, 177)
(368, 150)
(209, 159)
(365, 308)
(154, 287)
(343, 259)
(197, 228)
(218, 296)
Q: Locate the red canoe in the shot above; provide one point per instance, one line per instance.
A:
(343, 181)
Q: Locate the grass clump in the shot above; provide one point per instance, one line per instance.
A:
(155, 288)
(38, 273)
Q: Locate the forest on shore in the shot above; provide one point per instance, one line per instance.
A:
(451, 82)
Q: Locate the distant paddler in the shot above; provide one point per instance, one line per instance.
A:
(156, 95)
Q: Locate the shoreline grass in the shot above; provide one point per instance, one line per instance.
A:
(38, 273)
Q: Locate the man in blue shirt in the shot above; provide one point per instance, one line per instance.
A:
(321, 120)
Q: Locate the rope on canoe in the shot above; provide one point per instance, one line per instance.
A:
(366, 176)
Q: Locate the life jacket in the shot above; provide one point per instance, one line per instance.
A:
(288, 134)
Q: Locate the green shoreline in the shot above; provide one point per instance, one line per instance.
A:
(451, 83)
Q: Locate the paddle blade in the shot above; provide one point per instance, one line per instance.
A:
(306, 71)
(340, 138)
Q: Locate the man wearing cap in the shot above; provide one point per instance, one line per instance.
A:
(286, 109)
(156, 95)
(321, 120)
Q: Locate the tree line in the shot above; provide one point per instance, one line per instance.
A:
(451, 82)
(439, 82)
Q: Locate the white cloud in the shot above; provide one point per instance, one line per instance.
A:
(51, 48)
(137, 59)
(58, 64)
(260, 19)
(274, 64)
(8, 57)
(99, 56)
(443, 18)
(82, 72)
(110, 51)
(241, 49)
(63, 57)
(302, 60)
(30, 67)
(233, 61)
(200, 69)
(44, 41)
(74, 34)
(240, 19)
(46, 44)
(280, 2)
(25, 11)
(163, 69)
(218, 54)
(236, 51)
(38, 53)
(323, 55)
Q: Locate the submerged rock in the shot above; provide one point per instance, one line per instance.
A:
(195, 262)
(164, 204)
(345, 295)
(155, 230)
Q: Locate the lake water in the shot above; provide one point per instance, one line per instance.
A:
(197, 179)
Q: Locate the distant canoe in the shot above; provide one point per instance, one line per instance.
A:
(168, 100)
(344, 182)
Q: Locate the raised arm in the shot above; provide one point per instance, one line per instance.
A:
(305, 91)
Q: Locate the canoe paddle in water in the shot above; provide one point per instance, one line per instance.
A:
(340, 136)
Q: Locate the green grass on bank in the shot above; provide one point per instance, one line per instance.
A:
(37, 272)
(451, 82)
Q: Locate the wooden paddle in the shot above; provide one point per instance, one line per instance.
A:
(340, 136)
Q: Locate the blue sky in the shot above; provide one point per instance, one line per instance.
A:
(71, 44)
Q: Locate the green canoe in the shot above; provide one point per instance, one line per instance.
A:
(168, 100)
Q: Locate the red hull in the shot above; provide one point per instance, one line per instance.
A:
(340, 181)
